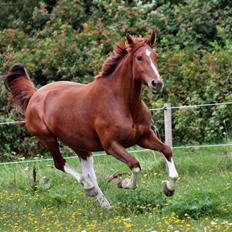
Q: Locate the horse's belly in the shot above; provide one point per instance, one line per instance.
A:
(79, 138)
(84, 144)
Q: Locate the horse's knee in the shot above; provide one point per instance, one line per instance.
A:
(60, 165)
(167, 151)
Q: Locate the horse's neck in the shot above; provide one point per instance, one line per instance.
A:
(125, 86)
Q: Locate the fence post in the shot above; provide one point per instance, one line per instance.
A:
(168, 123)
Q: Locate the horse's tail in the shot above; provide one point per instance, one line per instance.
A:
(18, 82)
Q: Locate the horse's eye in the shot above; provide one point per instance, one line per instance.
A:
(139, 58)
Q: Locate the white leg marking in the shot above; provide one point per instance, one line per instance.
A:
(86, 183)
(73, 173)
(135, 175)
(88, 169)
(148, 53)
(173, 175)
(131, 182)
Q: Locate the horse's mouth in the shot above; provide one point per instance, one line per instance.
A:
(155, 90)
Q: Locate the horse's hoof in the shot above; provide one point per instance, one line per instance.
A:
(92, 192)
(167, 191)
(126, 184)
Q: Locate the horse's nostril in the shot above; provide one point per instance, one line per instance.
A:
(154, 84)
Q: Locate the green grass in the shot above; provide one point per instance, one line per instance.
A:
(202, 202)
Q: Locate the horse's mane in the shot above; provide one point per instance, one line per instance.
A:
(121, 49)
(113, 60)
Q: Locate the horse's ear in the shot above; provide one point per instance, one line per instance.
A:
(151, 41)
(129, 39)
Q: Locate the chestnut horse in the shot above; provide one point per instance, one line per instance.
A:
(106, 114)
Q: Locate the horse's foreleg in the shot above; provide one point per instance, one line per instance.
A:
(88, 172)
(118, 151)
(130, 182)
(151, 141)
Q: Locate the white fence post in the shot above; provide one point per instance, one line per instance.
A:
(168, 123)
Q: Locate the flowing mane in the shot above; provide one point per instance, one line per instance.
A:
(113, 60)
(121, 49)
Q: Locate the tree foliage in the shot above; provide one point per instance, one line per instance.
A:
(70, 39)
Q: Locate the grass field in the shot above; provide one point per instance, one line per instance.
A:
(202, 202)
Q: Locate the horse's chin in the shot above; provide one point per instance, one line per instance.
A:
(155, 91)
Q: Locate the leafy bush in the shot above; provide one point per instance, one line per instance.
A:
(199, 80)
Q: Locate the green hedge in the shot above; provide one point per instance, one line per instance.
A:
(70, 39)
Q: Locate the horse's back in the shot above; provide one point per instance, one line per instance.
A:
(49, 96)
(58, 88)
(58, 85)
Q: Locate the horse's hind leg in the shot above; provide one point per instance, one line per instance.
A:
(88, 172)
(52, 145)
(50, 141)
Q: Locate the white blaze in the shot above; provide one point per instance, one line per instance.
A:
(26, 72)
(148, 53)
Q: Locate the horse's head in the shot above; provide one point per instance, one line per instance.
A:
(145, 68)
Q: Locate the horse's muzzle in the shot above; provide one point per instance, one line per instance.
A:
(156, 86)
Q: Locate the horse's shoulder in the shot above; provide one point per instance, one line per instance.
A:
(143, 114)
